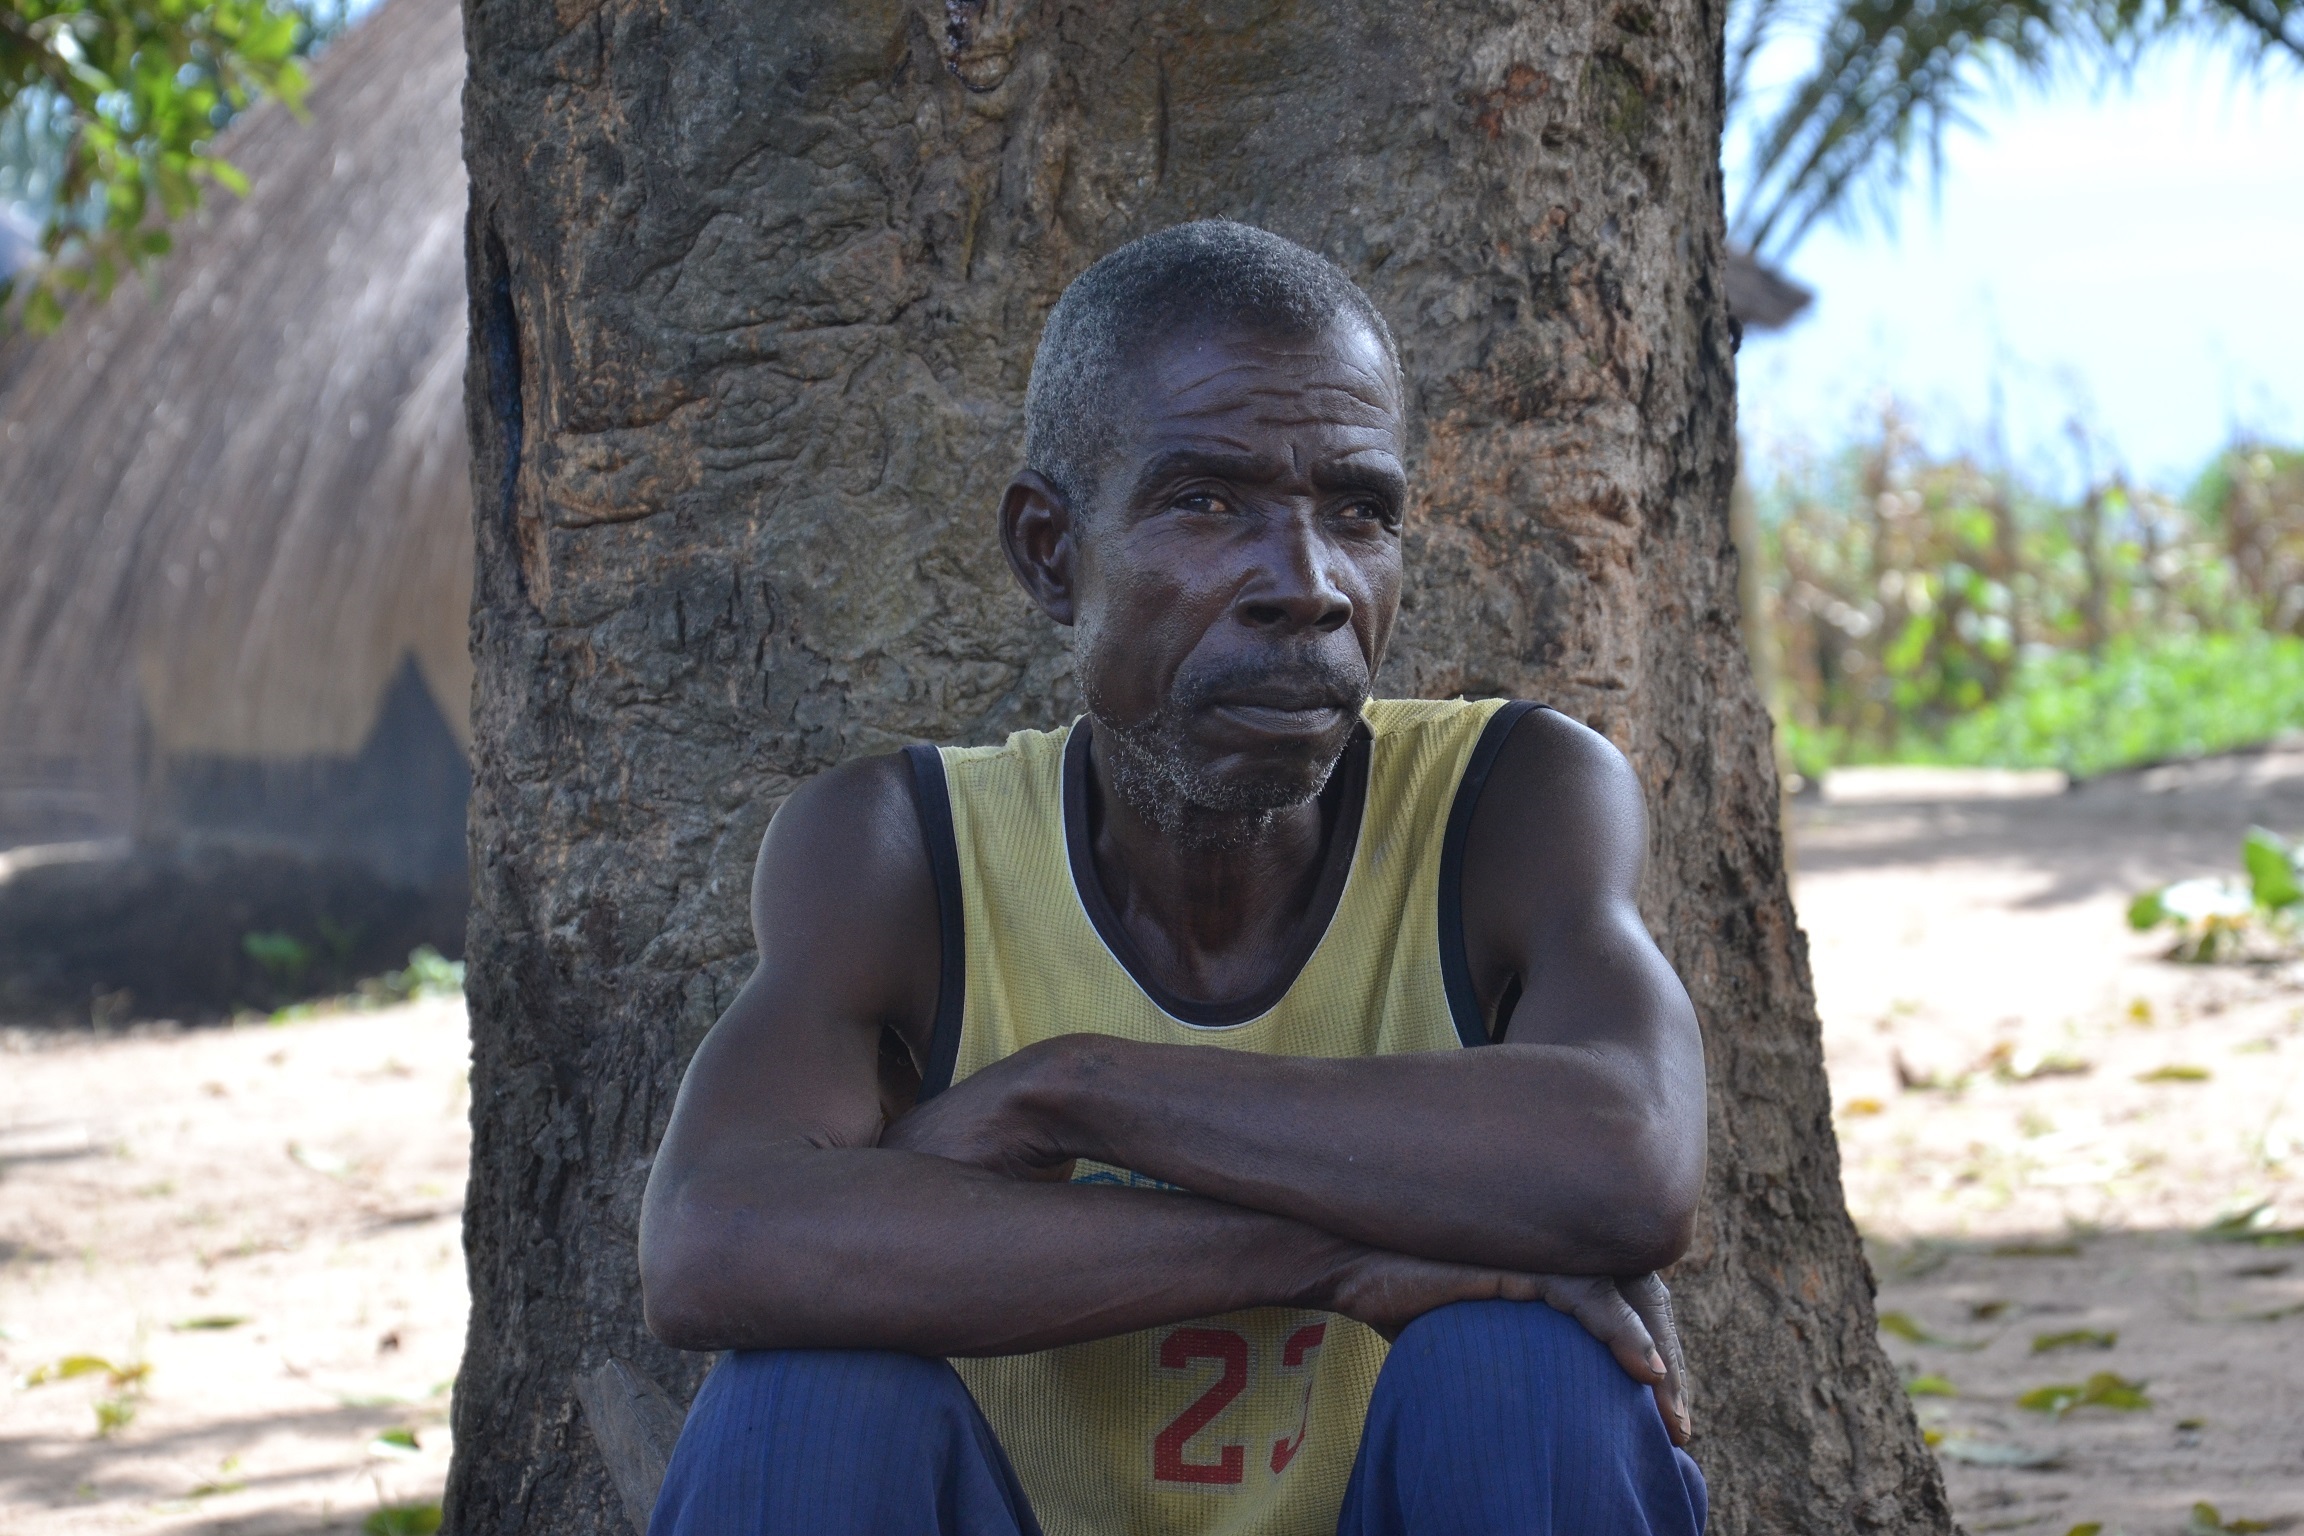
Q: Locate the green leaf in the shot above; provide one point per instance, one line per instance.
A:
(403, 1520)
(2176, 1072)
(2105, 1389)
(136, 92)
(69, 1367)
(212, 1324)
(394, 1442)
(1930, 1385)
(2271, 870)
(1902, 1325)
(2073, 1338)
(114, 1414)
(2050, 1399)
(2146, 912)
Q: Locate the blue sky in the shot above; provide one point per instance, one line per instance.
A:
(2128, 255)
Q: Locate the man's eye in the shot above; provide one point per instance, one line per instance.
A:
(1370, 512)
(1201, 501)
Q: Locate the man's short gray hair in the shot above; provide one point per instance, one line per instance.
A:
(1209, 273)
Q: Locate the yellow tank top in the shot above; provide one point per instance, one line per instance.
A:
(1246, 1423)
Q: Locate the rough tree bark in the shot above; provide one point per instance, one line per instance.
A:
(754, 293)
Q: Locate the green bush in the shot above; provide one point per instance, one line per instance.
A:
(1923, 610)
(2146, 698)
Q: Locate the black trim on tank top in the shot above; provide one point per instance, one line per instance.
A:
(1455, 965)
(932, 802)
(1351, 785)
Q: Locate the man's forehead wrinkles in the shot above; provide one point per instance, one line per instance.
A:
(1247, 426)
(1370, 466)
(1284, 408)
(1221, 368)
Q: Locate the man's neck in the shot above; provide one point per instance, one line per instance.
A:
(1215, 902)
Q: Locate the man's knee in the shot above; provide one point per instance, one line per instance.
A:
(833, 1442)
(1545, 1349)
(1504, 1415)
(855, 1387)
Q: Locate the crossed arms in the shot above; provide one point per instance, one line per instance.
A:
(798, 1201)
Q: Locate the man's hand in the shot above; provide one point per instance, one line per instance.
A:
(1388, 1291)
(986, 1121)
(1634, 1319)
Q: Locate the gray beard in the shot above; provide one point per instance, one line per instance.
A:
(1154, 772)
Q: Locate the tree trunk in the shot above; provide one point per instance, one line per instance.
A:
(755, 289)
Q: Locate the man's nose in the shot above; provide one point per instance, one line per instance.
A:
(1294, 588)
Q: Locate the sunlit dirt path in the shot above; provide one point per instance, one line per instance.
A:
(256, 1230)
(2038, 1114)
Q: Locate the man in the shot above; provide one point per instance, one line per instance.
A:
(1156, 1071)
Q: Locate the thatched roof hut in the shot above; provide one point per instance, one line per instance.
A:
(235, 542)
(1760, 297)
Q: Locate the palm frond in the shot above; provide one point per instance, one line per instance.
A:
(1890, 76)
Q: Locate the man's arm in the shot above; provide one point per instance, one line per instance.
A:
(773, 1219)
(1574, 1147)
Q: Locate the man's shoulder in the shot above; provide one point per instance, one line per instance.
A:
(844, 853)
(853, 823)
(1560, 797)
(1549, 749)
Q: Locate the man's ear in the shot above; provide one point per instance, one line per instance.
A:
(1038, 531)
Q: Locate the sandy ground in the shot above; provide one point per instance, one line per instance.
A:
(1987, 1016)
(305, 1180)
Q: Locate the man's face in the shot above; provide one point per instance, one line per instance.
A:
(1235, 582)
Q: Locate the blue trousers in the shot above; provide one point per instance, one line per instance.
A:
(1491, 1418)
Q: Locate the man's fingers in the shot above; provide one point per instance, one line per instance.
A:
(1608, 1317)
(1648, 1296)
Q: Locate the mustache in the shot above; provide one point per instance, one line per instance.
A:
(1294, 677)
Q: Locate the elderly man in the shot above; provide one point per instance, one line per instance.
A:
(1179, 1121)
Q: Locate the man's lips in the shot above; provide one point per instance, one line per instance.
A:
(1291, 717)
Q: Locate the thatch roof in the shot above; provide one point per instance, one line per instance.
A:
(1759, 296)
(234, 501)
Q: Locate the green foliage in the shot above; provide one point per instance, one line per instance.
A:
(71, 1367)
(126, 96)
(296, 969)
(2073, 1338)
(402, 1520)
(1924, 610)
(114, 1413)
(2259, 917)
(2208, 1521)
(284, 957)
(2102, 1390)
(400, 1441)
(1902, 1326)
(2271, 866)
(426, 975)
